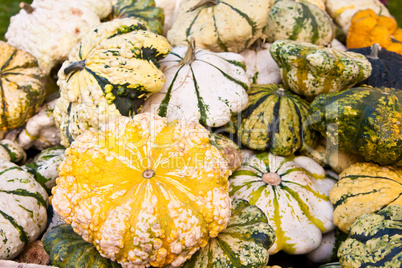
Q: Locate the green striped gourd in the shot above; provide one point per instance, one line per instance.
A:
(374, 240)
(201, 86)
(22, 86)
(23, 203)
(293, 193)
(275, 120)
(109, 73)
(67, 249)
(143, 10)
(243, 243)
(229, 149)
(299, 21)
(220, 25)
(331, 265)
(309, 70)
(45, 166)
(362, 120)
(364, 188)
(12, 151)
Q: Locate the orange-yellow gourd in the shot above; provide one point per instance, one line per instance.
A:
(144, 191)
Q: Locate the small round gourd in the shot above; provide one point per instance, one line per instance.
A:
(12, 151)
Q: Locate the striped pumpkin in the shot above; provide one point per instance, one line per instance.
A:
(220, 25)
(201, 86)
(274, 120)
(109, 73)
(374, 240)
(243, 243)
(299, 21)
(364, 188)
(12, 151)
(293, 193)
(23, 204)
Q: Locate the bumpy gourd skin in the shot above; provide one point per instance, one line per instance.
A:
(144, 191)
(119, 71)
(309, 70)
(362, 120)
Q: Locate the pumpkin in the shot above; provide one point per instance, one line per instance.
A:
(342, 11)
(143, 10)
(170, 8)
(293, 193)
(386, 65)
(274, 120)
(68, 249)
(40, 131)
(362, 120)
(260, 66)
(109, 73)
(299, 21)
(220, 25)
(70, 21)
(153, 192)
(364, 188)
(309, 70)
(229, 149)
(22, 86)
(23, 204)
(243, 243)
(201, 86)
(12, 151)
(374, 240)
(45, 166)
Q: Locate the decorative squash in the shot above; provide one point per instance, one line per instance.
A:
(299, 21)
(374, 240)
(68, 249)
(70, 21)
(152, 192)
(386, 65)
(228, 148)
(260, 66)
(45, 166)
(342, 11)
(22, 86)
(170, 8)
(331, 265)
(328, 249)
(244, 243)
(142, 10)
(293, 193)
(362, 120)
(23, 204)
(110, 73)
(274, 120)
(309, 70)
(201, 86)
(364, 188)
(220, 25)
(12, 151)
(34, 253)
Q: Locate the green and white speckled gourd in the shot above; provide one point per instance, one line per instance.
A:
(170, 8)
(293, 193)
(12, 151)
(299, 21)
(220, 25)
(109, 73)
(201, 86)
(243, 243)
(23, 203)
(71, 20)
(309, 70)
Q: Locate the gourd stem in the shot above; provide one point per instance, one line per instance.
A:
(280, 92)
(74, 66)
(374, 51)
(190, 54)
(27, 7)
(204, 2)
(149, 173)
(271, 178)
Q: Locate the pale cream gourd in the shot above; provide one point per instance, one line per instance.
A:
(171, 8)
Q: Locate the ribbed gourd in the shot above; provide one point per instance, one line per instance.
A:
(12, 151)
(151, 193)
(364, 188)
(362, 120)
(275, 120)
(309, 70)
(293, 193)
(109, 73)
(243, 243)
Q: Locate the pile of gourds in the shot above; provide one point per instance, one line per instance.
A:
(201, 133)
